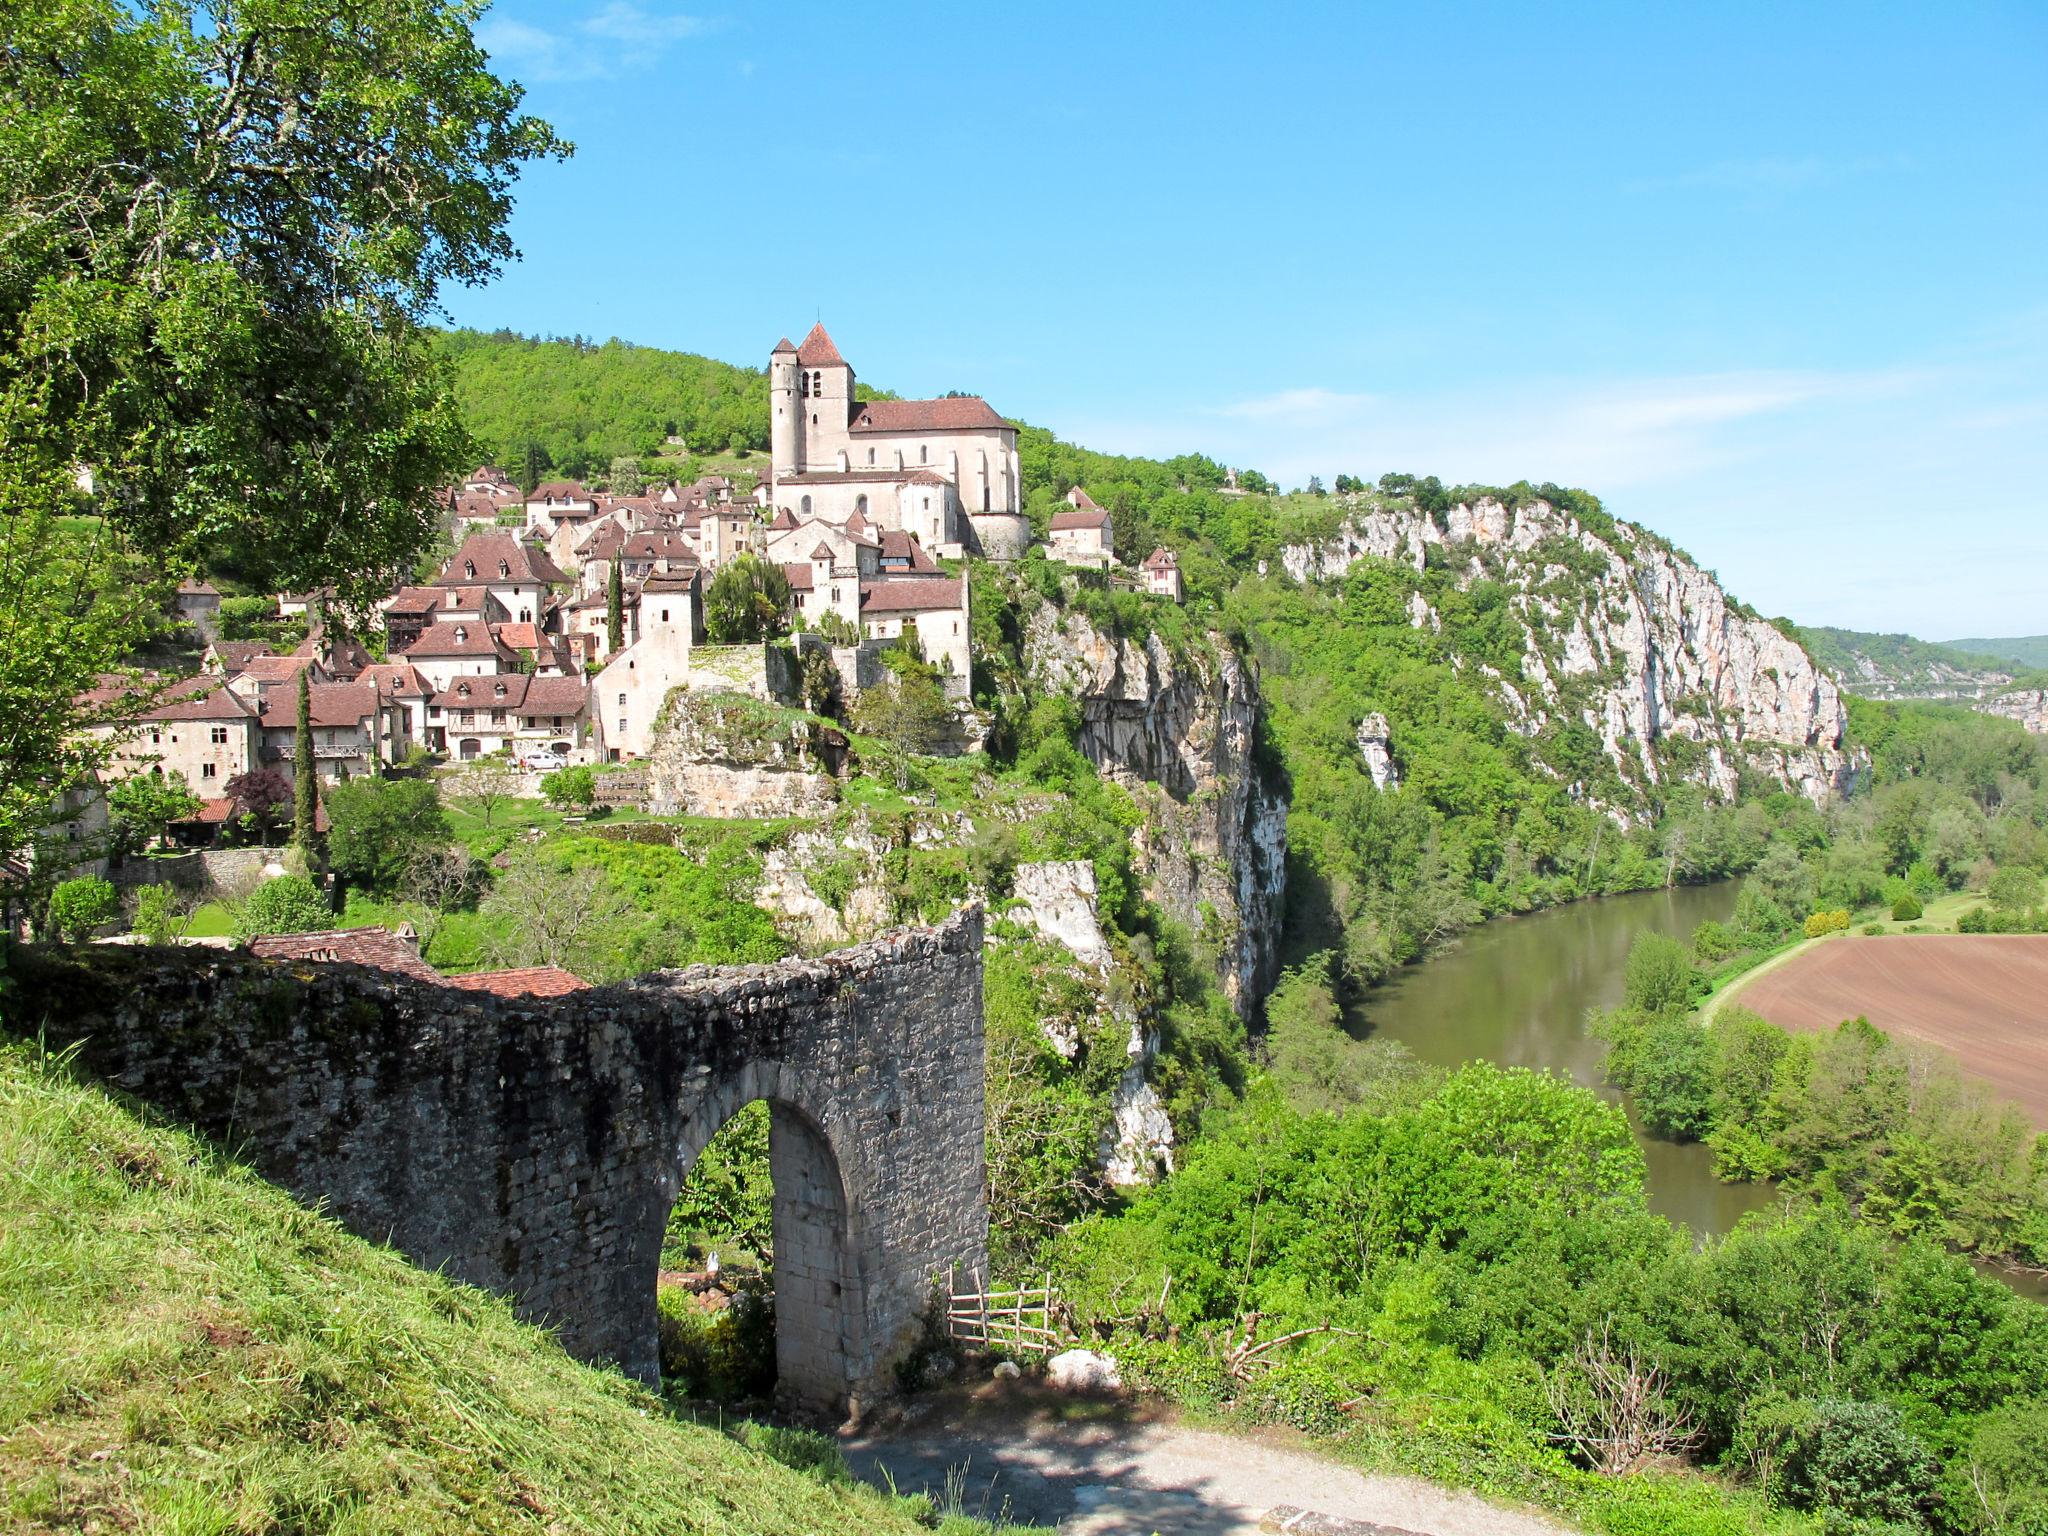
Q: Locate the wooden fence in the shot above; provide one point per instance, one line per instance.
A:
(1018, 1318)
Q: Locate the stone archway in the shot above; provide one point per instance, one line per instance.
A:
(534, 1146)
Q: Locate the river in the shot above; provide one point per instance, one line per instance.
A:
(1516, 991)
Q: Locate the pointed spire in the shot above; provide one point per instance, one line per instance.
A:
(784, 345)
(817, 350)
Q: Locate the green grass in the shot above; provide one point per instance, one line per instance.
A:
(184, 1349)
(211, 920)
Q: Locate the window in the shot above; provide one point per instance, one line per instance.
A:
(622, 725)
(814, 418)
(504, 569)
(807, 506)
(206, 770)
(664, 615)
(622, 701)
(803, 384)
(871, 455)
(156, 738)
(924, 453)
(469, 568)
(220, 735)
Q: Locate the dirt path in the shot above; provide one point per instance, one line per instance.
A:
(1094, 1469)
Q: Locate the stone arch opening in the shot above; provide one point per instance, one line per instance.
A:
(812, 1269)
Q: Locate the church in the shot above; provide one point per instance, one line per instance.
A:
(943, 471)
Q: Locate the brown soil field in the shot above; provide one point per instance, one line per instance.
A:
(1983, 997)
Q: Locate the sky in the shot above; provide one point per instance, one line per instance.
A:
(1771, 279)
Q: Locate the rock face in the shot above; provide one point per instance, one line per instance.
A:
(828, 883)
(1624, 634)
(1179, 732)
(728, 756)
(2029, 706)
(1376, 746)
(1058, 899)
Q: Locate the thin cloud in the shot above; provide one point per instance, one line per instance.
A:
(614, 39)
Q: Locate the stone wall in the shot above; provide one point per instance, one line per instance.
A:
(535, 1146)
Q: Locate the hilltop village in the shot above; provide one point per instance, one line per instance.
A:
(564, 616)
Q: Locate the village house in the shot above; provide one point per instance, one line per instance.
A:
(519, 576)
(353, 724)
(261, 675)
(459, 648)
(936, 608)
(945, 470)
(528, 717)
(404, 685)
(1160, 574)
(199, 732)
(198, 604)
(1082, 535)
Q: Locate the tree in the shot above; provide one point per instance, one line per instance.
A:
(534, 465)
(909, 711)
(259, 798)
(746, 601)
(440, 881)
(1660, 977)
(225, 228)
(162, 914)
(548, 915)
(568, 788)
(486, 783)
(305, 772)
(150, 802)
(625, 477)
(614, 610)
(288, 904)
(79, 906)
(2014, 889)
(379, 829)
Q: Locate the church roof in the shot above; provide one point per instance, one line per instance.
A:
(817, 350)
(783, 345)
(956, 413)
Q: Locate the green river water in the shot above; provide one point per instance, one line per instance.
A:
(1516, 991)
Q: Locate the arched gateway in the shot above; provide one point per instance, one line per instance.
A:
(534, 1146)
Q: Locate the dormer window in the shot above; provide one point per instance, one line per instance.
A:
(462, 690)
(498, 689)
(504, 569)
(461, 634)
(469, 569)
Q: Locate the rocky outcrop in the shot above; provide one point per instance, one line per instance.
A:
(1624, 634)
(1179, 730)
(828, 884)
(2029, 706)
(725, 755)
(1376, 747)
(1057, 899)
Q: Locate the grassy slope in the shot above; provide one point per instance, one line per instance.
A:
(2019, 650)
(184, 1349)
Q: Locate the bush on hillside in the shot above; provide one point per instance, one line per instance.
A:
(79, 906)
(1907, 908)
(288, 904)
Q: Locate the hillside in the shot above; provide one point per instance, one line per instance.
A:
(1901, 667)
(183, 1348)
(2018, 650)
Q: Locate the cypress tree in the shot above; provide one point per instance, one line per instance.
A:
(305, 791)
(615, 610)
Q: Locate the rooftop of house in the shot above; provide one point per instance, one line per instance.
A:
(911, 594)
(269, 670)
(195, 698)
(955, 413)
(459, 637)
(898, 546)
(1063, 521)
(1161, 559)
(332, 706)
(377, 947)
(488, 557)
(526, 981)
(517, 692)
(192, 587)
(799, 575)
(560, 490)
(233, 655)
(397, 680)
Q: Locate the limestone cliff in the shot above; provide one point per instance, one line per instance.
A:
(726, 755)
(1623, 633)
(1179, 730)
(2029, 706)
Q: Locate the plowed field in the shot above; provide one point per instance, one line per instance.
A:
(1982, 996)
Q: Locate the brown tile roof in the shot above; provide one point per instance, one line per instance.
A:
(523, 695)
(798, 573)
(378, 947)
(190, 587)
(1161, 559)
(1077, 497)
(682, 580)
(530, 981)
(816, 350)
(237, 654)
(477, 506)
(521, 637)
(1096, 519)
(459, 637)
(416, 600)
(822, 552)
(784, 345)
(476, 563)
(860, 474)
(959, 413)
(603, 542)
(332, 705)
(560, 490)
(660, 544)
(397, 680)
(911, 594)
(898, 545)
(279, 669)
(783, 519)
(199, 698)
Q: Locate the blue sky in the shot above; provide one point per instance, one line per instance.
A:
(1772, 279)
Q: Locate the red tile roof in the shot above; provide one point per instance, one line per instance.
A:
(784, 345)
(817, 351)
(1076, 497)
(529, 981)
(911, 594)
(234, 655)
(416, 600)
(959, 413)
(460, 637)
(332, 706)
(1161, 559)
(397, 680)
(898, 545)
(798, 574)
(522, 695)
(378, 947)
(560, 490)
(198, 698)
(477, 562)
(279, 669)
(1096, 519)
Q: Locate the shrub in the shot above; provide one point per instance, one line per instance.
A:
(1872, 930)
(2014, 889)
(288, 904)
(567, 787)
(79, 906)
(1661, 977)
(1860, 1459)
(379, 829)
(1821, 924)
(157, 917)
(1907, 908)
(728, 1354)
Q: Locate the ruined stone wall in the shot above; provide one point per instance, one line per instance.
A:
(535, 1146)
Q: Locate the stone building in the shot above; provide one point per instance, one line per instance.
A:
(943, 470)
(1083, 534)
(200, 732)
(1160, 574)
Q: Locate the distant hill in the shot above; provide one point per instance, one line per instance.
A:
(1902, 667)
(2020, 650)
